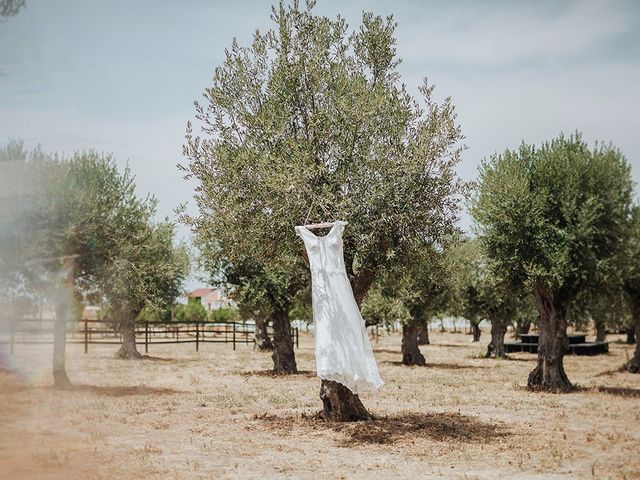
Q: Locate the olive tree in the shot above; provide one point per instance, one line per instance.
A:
(425, 293)
(27, 266)
(552, 219)
(50, 235)
(78, 230)
(467, 270)
(310, 123)
(632, 284)
(262, 290)
(480, 293)
(146, 271)
(503, 306)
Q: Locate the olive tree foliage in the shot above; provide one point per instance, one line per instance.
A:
(9, 8)
(383, 307)
(310, 123)
(468, 271)
(552, 220)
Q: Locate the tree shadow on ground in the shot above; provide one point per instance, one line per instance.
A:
(454, 345)
(621, 391)
(509, 358)
(157, 359)
(442, 366)
(607, 373)
(109, 391)
(393, 429)
(123, 391)
(269, 373)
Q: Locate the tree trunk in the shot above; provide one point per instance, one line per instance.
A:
(553, 342)
(631, 336)
(475, 328)
(128, 349)
(522, 327)
(261, 336)
(423, 334)
(63, 313)
(601, 330)
(633, 365)
(340, 404)
(284, 358)
(410, 352)
(496, 346)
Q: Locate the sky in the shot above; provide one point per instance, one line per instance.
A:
(121, 76)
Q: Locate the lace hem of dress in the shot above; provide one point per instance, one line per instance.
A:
(357, 386)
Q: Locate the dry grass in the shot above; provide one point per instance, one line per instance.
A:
(221, 414)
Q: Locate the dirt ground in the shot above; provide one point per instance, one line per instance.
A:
(219, 414)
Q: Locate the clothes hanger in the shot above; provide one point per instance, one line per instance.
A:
(312, 226)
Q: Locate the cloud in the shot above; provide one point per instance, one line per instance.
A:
(517, 32)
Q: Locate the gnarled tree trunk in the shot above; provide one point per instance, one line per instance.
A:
(496, 346)
(475, 329)
(423, 334)
(63, 314)
(284, 358)
(261, 336)
(410, 351)
(553, 343)
(522, 327)
(340, 404)
(128, 349)
(633, 365)
(601, 330)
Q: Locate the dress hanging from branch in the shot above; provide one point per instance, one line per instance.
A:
(342, 347)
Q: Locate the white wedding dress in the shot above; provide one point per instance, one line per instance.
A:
(343, 350)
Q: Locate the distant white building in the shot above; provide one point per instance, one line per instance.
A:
(210, 299)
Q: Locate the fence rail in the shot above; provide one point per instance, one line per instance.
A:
(97, 332)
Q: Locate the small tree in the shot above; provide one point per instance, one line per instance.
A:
(425, 293)
(224, 315)
(192, 312)
(147, 271)
(503, 306)
(552, 219)
(467, 276)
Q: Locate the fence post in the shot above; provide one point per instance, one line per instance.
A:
(234, 334)
(146, 337)
(297, 338)
(197, 337)
(86, 336)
